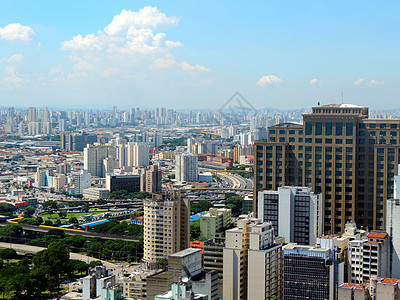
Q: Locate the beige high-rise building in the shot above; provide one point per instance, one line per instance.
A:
(253, 263)
(151, 180)
(94, 155)
(337, 151)
(166, 225)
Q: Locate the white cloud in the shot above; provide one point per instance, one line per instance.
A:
(372, 82)
(12, 79)
(131, 44)
(89, 42)
(15, 58)
(163, 63)
(269, 79)
(359, 81)
(206, 81)
(375, 82)
(313, 81)
(16, 31)
(147, 17)
(110, 72)
(195, 68)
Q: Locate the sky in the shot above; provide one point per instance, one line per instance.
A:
(197, 54)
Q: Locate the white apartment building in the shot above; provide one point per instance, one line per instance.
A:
(82, 181)
(186, 167)
(94, 155)
(368, 257)
(295, 213)
(138, 154)
(393, 229)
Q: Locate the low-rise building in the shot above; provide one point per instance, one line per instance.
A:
(214, 223)
(96, 193)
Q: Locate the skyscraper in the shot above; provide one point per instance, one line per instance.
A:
(186, 167)
(393, 229)
(166, 225)
(93, 158)
(339, 152)
(138, 154)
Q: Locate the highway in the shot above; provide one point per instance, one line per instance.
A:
(235, 181)
(88, 234)
(35, 249)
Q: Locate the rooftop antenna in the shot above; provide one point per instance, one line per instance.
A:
(342, 97)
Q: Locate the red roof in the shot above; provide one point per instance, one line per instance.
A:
(373, 242)
(391, 281)
(353, 285)
(378, 235)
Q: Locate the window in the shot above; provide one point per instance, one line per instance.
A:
(339, 128)
(328, 129)
(372, 125)
(308, 128)
(328, 141)
(349, 141)
(339, 141)
(272, 131)
(281, 131)
(349, 129)
(393, 126)
(382, 126)
(318, 128)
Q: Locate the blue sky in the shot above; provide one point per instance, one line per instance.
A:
(196, 54)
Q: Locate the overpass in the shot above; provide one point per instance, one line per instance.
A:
(217, 189)
(68, 231)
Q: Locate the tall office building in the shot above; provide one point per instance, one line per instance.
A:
(295, 213)
(186, 167)
(339, 152)
(309, 273)
(32, 115)
(166, 225)
(253, 265)
(93, 158)
(76, 141)
(393, 229)
(138, 154)
(151, 180)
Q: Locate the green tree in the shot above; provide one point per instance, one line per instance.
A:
(51, 264)
(29, 211)
(101, 202)
(62, 214)
(48, 223)
(50, 204)
(85, 208)
(8, 253)
(202, 205)
(195, 230)
(237, 204)
(79, 266)
(73, 220)
(162, 263)
(6, 208)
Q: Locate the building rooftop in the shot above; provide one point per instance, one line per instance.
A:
(377, 235)
(353, 286)
(297, 247)
(185, 252)
(341, 105)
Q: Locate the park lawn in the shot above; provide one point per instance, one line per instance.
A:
(78, 215)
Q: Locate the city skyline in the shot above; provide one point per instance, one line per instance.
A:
(195, 56)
